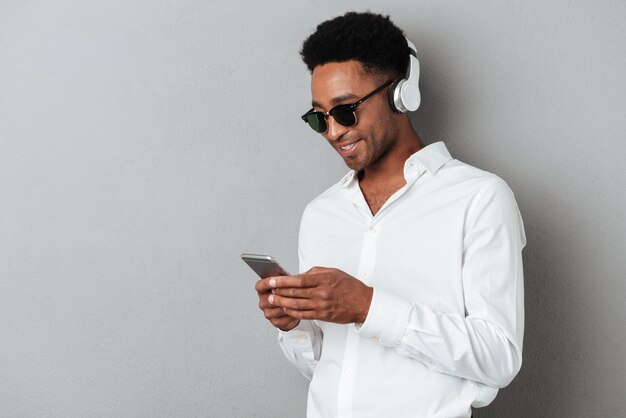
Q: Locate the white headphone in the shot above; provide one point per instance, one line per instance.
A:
(405, 94)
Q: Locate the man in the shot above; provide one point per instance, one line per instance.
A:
(411, 304)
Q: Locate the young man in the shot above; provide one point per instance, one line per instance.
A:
(411, 304)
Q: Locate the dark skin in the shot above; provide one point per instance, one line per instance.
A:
(383, 140)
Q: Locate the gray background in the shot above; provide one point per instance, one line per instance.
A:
(145, 144)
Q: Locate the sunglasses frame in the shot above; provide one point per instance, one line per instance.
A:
(331, 112)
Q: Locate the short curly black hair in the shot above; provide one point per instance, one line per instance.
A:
(370, 38)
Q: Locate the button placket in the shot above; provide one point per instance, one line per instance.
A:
(368, 253)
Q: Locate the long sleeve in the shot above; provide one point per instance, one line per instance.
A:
(302, 345)
(485, 344)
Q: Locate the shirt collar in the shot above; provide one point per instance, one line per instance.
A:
(431, 158)
(348, 179)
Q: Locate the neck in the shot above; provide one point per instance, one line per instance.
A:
(390, 168)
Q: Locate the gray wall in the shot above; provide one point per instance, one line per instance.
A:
(144, 145)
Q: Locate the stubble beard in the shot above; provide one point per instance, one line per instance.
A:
(377, 147)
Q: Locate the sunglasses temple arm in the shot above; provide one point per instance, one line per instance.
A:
(373, 93)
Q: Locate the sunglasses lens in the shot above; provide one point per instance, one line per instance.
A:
(344, 115)
(317, 122)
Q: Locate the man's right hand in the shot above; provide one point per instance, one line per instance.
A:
(276, 315)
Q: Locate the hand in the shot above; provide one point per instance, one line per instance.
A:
(277, 316)
(321, 293)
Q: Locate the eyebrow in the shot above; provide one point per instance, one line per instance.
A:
(336, 100)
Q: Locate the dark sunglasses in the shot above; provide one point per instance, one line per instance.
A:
(344, 114)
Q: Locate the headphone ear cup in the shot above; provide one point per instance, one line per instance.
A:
(410, 96)
(394, 95)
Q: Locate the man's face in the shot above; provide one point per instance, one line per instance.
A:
(375, 132)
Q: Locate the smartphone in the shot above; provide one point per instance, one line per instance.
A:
(264, 265)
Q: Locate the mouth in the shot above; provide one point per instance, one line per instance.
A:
(348, 149)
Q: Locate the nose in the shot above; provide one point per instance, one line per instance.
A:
(335, 129)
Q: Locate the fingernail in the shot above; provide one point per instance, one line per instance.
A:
(271, 298)
(272, 282)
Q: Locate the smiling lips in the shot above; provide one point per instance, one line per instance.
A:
(349, 149)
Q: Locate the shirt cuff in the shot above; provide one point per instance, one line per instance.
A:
(298, 336)
(387, 318)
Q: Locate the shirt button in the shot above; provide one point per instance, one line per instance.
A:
(349, 372)
(365, 276)
(375, 339)
(373, 230)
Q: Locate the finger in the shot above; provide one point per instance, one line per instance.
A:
(310, 314)
(285, 324)
(317, 269)
(317, 293)
(274, 313)
(263, 286)
(294, 292)
(264, 301)
(291, 303)
(299, 280)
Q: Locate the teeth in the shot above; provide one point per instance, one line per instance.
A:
(347, 147)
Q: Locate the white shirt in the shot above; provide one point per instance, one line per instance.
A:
(445, 326)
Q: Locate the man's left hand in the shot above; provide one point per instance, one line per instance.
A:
(326, 294)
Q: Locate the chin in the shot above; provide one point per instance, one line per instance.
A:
(354, 165)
